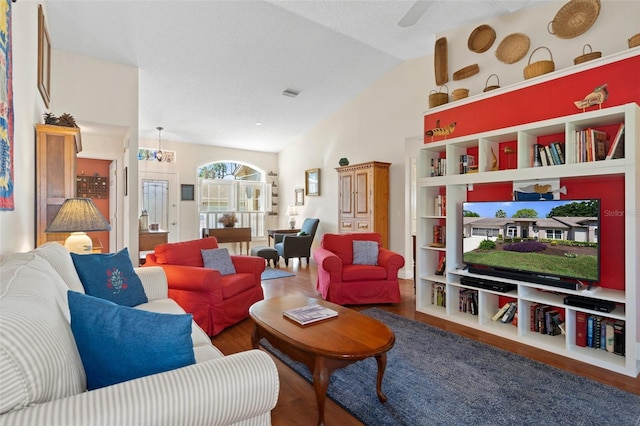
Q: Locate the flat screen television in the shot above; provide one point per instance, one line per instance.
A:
(552, 242)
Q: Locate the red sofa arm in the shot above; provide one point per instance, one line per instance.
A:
(329, 262)
(249, 264)
(193, 278)
(391, 261)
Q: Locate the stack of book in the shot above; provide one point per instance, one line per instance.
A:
(507, 313)
(595, 331)
(309, 314)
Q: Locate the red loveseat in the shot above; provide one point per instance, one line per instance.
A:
(342, 282)
(216, 301)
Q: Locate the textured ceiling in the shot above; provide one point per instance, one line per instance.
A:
(211, 70)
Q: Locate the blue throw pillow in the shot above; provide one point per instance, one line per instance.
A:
(218, 259)
(365, 253)
(110, 277)
(118, 343)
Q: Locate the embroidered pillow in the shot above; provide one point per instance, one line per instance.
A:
(218, 259)
(110, 277)
(118, 343)
(365, 252)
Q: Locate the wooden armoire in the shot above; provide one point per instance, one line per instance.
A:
(364, 199)
(56, 149)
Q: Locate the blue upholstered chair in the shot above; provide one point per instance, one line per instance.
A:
(297, 245)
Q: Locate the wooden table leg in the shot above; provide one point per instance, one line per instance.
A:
(320, 384)
(382, 365)
(255, 338)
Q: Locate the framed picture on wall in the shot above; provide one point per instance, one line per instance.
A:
(187, 192)
(44, 59)
(299, 197)
(312, 181)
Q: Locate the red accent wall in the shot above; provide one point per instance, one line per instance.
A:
(547, 100)
(90, 167)
(542, 101)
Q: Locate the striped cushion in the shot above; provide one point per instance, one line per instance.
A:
(38, 357)
(60, 259)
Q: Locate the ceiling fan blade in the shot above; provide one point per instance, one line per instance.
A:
(414, 14)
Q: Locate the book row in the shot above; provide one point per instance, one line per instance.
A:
(439, 295)
(546, 319)
(468, 301)
(438, 236)
(595, 331)
(467, 164)
(440, 205)
(547, 155)
(438, 167)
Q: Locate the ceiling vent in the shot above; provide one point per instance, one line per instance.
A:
(290, 93)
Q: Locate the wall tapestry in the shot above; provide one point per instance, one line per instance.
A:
(6, 109)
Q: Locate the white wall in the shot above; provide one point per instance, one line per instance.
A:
(17, 227)
(189, 157)
(371, 127)
(103, 97)
(616, 23)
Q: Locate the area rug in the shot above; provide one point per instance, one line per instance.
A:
(434, 377)
(271, 273)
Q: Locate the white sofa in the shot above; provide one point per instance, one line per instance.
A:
(42, 381)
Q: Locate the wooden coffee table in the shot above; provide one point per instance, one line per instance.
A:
(323, 346)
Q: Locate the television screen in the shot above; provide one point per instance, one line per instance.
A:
(549, 240)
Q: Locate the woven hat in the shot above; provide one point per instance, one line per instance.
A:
(512, 48)
(574, 18)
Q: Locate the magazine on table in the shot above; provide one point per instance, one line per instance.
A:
(309, 314)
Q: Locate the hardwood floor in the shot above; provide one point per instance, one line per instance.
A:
(297, 403)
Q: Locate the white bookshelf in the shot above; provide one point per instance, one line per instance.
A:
(454, 185)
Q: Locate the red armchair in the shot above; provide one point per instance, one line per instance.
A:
(342, 282)
(216, 301)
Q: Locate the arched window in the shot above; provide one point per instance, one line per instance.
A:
(226, 187)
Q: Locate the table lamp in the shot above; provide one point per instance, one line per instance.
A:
(78, 216)
(292, 213)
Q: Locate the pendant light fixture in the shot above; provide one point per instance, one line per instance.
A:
(159, 155)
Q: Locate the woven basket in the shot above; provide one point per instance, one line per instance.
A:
(634, 41)
(465, 72)
(459, 94)
(540, 67)
(481, 39)
(587, 56)
(493, 87)
(438, 98)
(512, 48)
(574, 18)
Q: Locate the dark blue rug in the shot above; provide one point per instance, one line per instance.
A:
(434, 377)
(271, 273)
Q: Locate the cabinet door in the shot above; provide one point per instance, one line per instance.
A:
(346, 194)
(362, 192)
(55, 176)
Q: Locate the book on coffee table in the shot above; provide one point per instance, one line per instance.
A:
(309, 314)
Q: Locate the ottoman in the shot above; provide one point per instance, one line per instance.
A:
(267, 253)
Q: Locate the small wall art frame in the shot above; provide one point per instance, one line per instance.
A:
(187, 192)
(299, 192)
(44, 59)
(312, 182)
